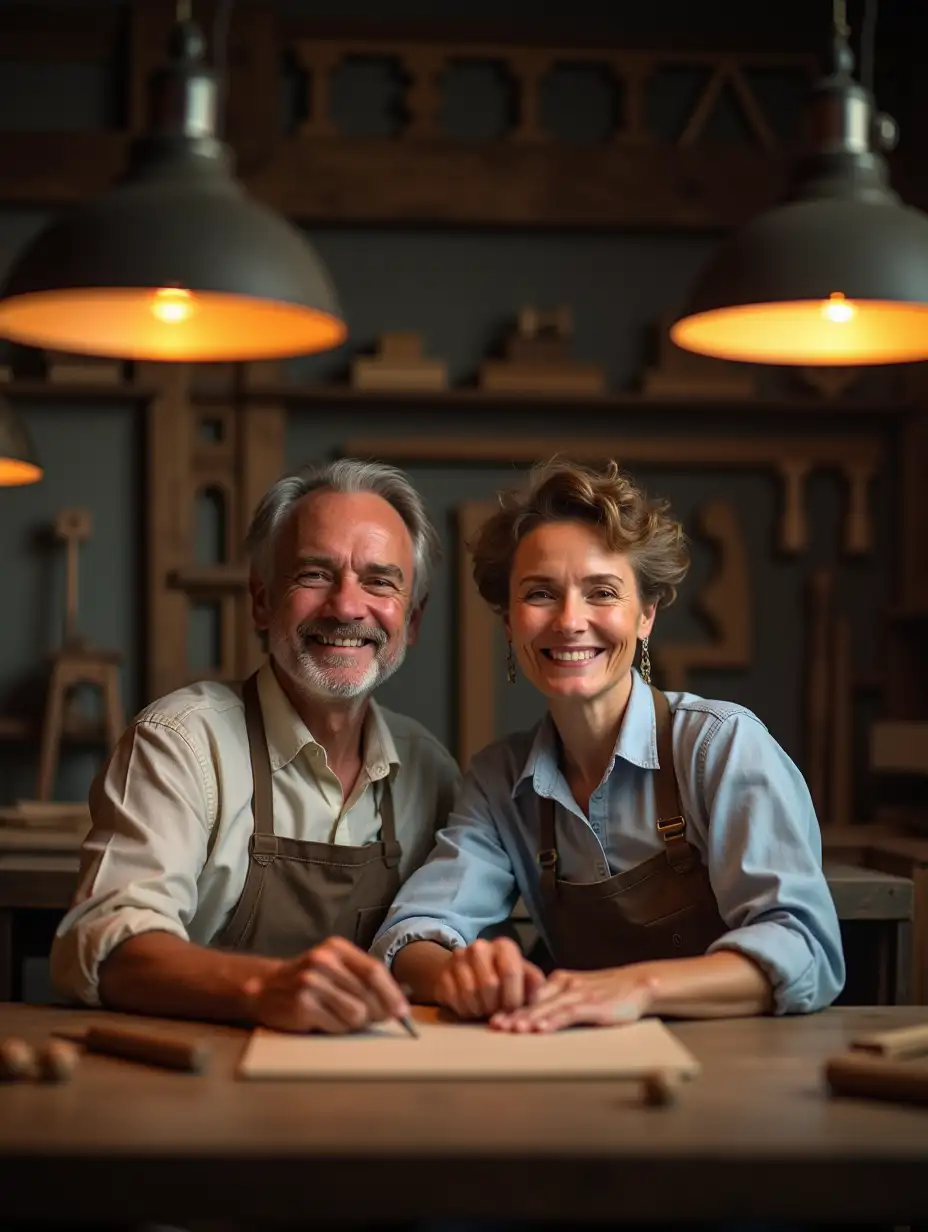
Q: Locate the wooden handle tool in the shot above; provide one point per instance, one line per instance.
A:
(166, 1051)
(901, 1042)
(870, 1077)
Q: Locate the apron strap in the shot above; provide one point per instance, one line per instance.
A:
(391, 848)
(671, 824)
(263, 840)
(547, 852)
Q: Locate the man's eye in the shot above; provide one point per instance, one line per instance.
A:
(381, 582)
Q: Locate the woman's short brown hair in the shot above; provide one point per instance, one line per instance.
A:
(561, 491)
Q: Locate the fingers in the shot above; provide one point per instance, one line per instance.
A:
(570, 998)
(457, 987)
(515, 979)
(334, 1009)
(488, 977)
(360, 975)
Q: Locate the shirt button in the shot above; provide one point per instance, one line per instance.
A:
(677, 940)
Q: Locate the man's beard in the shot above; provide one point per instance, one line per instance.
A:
(319, 675)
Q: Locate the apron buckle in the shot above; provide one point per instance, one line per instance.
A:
(264, 848)
(547, 860)
(673, 827)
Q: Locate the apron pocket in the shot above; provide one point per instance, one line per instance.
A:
(366, 926)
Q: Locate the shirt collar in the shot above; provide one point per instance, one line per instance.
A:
(636, 743)
(287, 735)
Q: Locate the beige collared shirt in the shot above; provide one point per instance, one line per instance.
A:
(171, 812)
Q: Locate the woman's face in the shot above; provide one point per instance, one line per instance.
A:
(574, 613)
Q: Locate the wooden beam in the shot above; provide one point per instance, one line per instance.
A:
(57, 169)
(58, 33)
(510, 184)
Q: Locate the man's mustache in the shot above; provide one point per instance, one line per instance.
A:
(351, 632)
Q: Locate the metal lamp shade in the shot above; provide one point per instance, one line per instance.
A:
(818, 282)
(18, 463)
(838, 274)
(177, 264)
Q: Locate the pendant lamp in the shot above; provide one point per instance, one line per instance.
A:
(838, 274)
(176, 262)
(18, 464)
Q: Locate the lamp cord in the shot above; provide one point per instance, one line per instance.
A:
(868, 44)
(220, 56)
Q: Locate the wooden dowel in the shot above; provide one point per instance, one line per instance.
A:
(151, 1049)
(900, 1042)
(871, 1077)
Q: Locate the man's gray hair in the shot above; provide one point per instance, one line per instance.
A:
(347, 475)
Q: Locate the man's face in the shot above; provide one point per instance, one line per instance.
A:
(337, 605)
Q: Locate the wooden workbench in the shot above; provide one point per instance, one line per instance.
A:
(755, 1137)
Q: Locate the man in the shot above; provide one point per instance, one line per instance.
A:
(246, 845)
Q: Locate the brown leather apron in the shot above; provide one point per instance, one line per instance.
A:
(663, 908)
(297, 892)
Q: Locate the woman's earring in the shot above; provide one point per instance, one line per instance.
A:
(645, 665)
(510, 665)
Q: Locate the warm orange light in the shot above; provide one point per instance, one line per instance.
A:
(173, 305)
(814, 332)
(838, 309)
(146, 324)
(15, 473)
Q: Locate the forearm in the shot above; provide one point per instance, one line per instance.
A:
(418, 967)
(720, 985)
(160, 974)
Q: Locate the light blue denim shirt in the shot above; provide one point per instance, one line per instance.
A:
(748, 813)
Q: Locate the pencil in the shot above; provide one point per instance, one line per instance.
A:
(408, 1025)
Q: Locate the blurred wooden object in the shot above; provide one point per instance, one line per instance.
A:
(683, 374)
(537, 359)
(398, 364)
(76, 663)
(725, 602)
(64, 369)
(828, 702)
(210, 437)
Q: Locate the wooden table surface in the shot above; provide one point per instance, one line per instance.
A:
(754, 1137)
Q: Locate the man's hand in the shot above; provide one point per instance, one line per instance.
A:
(334, 987)
(487, 977)
(568, 998)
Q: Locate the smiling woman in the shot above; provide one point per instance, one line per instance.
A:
(665, 845)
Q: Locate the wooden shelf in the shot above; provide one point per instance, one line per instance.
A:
(82, 731)
(74, 391)
(472, 398)
(215, 578)
(469, 397)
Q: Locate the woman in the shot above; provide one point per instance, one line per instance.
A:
(665, 845)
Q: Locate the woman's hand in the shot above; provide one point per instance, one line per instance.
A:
(569, 998)
(486, 978)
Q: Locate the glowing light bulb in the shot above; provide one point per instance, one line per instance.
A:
(173, 305)
(836, 308)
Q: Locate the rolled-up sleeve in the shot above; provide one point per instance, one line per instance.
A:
(466, 885)
(151, 810)
(765, 864)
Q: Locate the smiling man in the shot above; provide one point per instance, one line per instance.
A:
(247, 842)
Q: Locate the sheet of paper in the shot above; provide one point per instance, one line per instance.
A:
(452, 1051)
